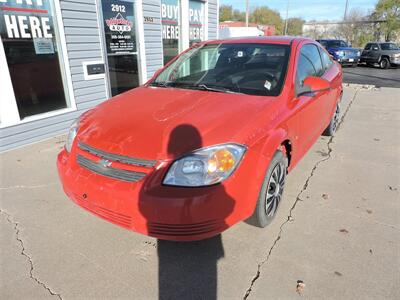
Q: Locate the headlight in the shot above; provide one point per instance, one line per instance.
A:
(71, 135)
(205, 166)
(339, 53)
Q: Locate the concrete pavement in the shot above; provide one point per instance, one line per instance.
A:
(338, 229)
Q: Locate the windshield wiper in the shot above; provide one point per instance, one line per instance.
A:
(160, 84)
(214, 89)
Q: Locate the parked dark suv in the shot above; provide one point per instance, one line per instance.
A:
(384, 54)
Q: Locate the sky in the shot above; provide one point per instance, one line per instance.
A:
(307, 9)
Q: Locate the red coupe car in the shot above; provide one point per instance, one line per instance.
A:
(208, 141)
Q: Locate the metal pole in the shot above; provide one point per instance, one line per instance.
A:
(286, 19)
(345, 10)
(247, 13)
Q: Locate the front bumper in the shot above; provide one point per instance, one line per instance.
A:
(395, 61)
(164, 212)
(348, 60)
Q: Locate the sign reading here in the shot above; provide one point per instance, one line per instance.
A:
(25, 26)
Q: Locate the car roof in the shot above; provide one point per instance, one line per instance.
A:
(281, 40)
(328, 40)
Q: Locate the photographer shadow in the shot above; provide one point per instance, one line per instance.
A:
(188, 270)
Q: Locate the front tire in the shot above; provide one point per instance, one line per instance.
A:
(384, 63)
(271, 191)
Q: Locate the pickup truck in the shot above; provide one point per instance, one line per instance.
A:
(341, 51)
(384, 54)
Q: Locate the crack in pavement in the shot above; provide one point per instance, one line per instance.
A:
(23, 253)
(290, 218)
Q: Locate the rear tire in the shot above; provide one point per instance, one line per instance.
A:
(384, 63)
(330, 130)
(271, 191)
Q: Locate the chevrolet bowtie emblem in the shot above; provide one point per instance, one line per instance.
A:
(105, 163)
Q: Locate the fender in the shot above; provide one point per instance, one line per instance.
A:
(271, 143)
(266, 149)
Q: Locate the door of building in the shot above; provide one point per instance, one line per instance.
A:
(120, 45)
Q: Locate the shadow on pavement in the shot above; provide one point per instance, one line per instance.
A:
(187, 270)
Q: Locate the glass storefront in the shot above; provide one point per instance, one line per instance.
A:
(30, 42)
(196, 21)
(170, 28)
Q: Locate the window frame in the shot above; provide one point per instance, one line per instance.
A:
(299, 86)
(9, 114)
(320, 50)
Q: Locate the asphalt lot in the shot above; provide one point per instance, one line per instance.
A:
(337, 230)
(364, 74)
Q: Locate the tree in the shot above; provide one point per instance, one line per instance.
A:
(353, 30)
(239, 15)
(266, 16)
(225, 13)
(295, 26)
(389, 11)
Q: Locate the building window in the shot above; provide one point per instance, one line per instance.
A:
(196, 21)
(31, 47)
(170, 28)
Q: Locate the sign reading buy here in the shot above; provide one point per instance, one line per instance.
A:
(25, 19)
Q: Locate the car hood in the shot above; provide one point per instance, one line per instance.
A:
(163, 123)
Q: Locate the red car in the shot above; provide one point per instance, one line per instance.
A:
(208, 141)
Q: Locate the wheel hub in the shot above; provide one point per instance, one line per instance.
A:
(275, 189)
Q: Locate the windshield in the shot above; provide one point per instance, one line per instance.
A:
(254, 69)
(389, 46)
(336, 44)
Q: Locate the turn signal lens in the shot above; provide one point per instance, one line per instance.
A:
(222, 161)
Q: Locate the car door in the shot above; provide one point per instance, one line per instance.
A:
(333, 74)
(375, 53)
(365, 55)
(312, 109)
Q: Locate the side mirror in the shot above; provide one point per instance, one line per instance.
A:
(314, 84)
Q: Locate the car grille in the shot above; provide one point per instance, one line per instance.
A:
(350, 53)
(130, 176)
(115, 157)
(162, 229)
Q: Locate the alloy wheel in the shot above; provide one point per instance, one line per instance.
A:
(384, 63)
(275, 187)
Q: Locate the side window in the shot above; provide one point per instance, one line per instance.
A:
(367, 47)
(311, 51)
(326, 59)
(309, 64)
